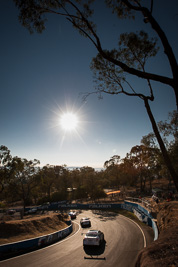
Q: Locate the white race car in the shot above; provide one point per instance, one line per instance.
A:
(93, 238)
(72, 214)
(85, 222)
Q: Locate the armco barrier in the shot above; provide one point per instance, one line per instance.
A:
(11, 249)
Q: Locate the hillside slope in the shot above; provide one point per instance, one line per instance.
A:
(30, 227)
(164, 251)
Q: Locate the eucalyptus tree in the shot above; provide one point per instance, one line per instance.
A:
(112, 171)
(5, 160)
(48, 179)
(75, 178)
(112, 67)
(23, 174)
(78, 190)
(88, 179)
(62, 180)
(114, 160)
(140, 157)
(128, 172)
(169, 131)
(103, 178)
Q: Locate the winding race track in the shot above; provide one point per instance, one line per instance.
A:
(123, 241)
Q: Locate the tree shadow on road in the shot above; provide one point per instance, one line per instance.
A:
(105, 215)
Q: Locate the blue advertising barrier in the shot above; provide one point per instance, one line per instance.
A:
(78, 206)
(34, 243)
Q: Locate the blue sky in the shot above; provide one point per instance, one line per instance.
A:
(43, 76)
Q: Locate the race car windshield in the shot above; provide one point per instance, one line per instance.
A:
(92, 234)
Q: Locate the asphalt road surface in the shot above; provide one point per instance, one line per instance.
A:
(123, 241)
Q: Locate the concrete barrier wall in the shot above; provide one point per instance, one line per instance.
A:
(155, 229)
(143, 215)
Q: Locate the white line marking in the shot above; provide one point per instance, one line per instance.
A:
(144, 238)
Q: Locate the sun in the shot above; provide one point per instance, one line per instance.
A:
(69, 121)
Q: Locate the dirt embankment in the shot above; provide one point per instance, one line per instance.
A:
(164, 251)
(30, 227)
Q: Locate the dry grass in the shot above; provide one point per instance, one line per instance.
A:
(30, 227)
(164, 251)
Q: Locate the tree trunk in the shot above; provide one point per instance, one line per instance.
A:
(49, 192)
(176, 92)
(166, 157)
(141, 185)
(150, 180)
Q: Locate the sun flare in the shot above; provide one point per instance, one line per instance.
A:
(68, 121)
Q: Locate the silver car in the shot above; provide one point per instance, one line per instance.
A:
(93, 238)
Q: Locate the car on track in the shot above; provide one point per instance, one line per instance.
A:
(72, 214)
(93, 238)
(85, 222)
